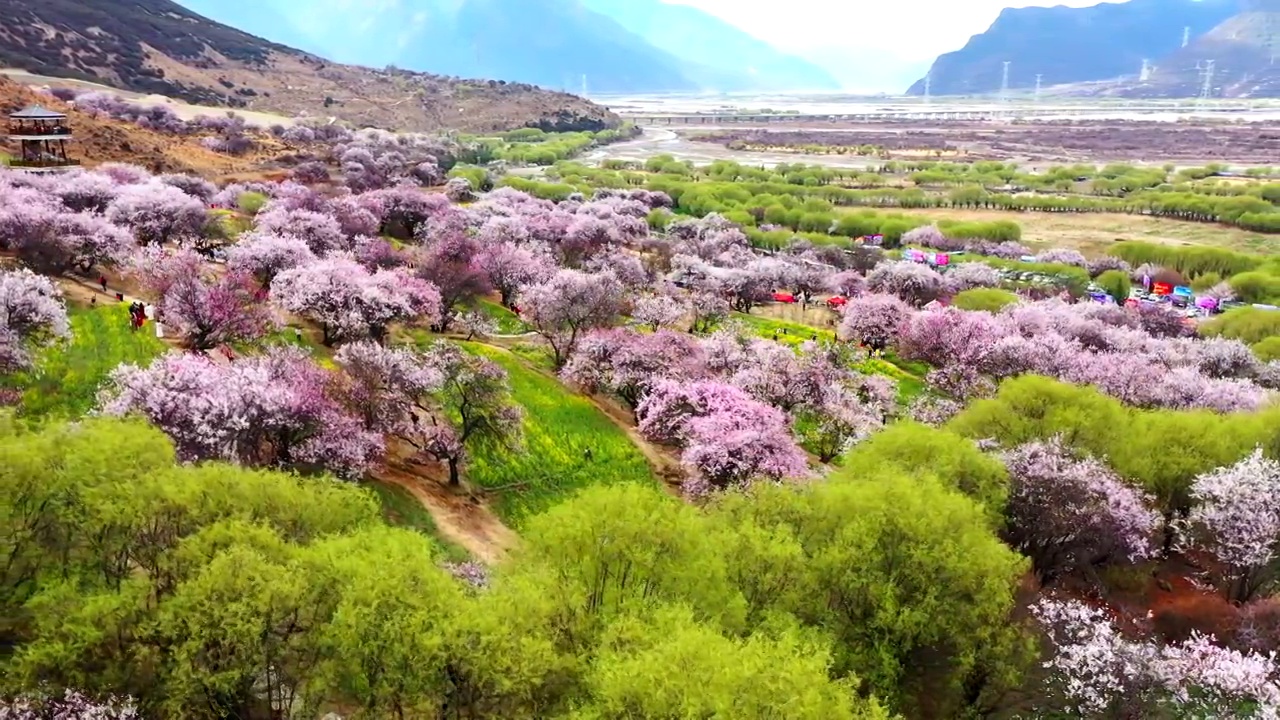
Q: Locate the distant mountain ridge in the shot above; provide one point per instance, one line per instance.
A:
(1071, 45)
(620, 46)
(720, 56)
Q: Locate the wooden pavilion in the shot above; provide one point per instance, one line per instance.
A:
(42, 136)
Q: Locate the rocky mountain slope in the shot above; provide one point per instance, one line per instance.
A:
(1069, 45)
(1245, 63)
(156, 46)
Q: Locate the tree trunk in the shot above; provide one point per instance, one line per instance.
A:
(454, 475)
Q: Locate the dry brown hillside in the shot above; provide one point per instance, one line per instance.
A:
(156, 46)
(99, 140)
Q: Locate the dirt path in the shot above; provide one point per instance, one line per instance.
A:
(464, 521)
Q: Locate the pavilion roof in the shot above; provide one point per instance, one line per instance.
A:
(37, 112)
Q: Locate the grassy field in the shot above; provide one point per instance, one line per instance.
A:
(1096, 232)
(66, 379)
(559, 428)
(508, 322)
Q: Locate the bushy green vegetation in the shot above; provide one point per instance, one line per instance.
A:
(988, 299)
(1190, 261)
(921, 451)
(1138, 444)
(1248, 325)
(67, 376)
(1268, 350)
(479, 178)
(559, 428)
(532, 146)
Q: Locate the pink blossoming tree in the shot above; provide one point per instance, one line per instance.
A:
(271, 410)
(349, 302)
(569, 304)
(1236, 519)
(31, 313)
(1068, 513)
(727, 437)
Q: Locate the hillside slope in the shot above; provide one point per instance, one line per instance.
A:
(1243, 63)
(156, 46)
(551, 43)
(96, 140)
(1069, 45)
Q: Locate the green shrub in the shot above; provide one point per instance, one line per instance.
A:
(1248, 325)
(988, 299)
(251, 202)
(1268, 350)
(1115, 283)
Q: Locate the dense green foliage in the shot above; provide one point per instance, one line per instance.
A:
(1249, 325)
(920, 451)
(67, 376)
(213, 591)
(1138, 444)
(532, 146)
(1190, 261)
(988, 299)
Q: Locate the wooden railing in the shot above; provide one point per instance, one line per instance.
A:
(29, 130)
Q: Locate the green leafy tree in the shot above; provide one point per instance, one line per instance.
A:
(1115, 283)
(893, 567)
(614, 550)
(719, 678)
(919, 450)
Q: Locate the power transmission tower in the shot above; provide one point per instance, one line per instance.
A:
(928, 83)
(1186, 36)
(1038, 76)
(1207, 89)
(1146, 71)
(1004, 82)
(584, 85)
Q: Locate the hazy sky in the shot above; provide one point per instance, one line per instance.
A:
(913, 29)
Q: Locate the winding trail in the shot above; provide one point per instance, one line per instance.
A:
(465, 521)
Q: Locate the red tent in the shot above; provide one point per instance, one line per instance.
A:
(837, 301)
(784, 297)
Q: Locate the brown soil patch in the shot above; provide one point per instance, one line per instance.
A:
(465, 521)
(99, 140)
